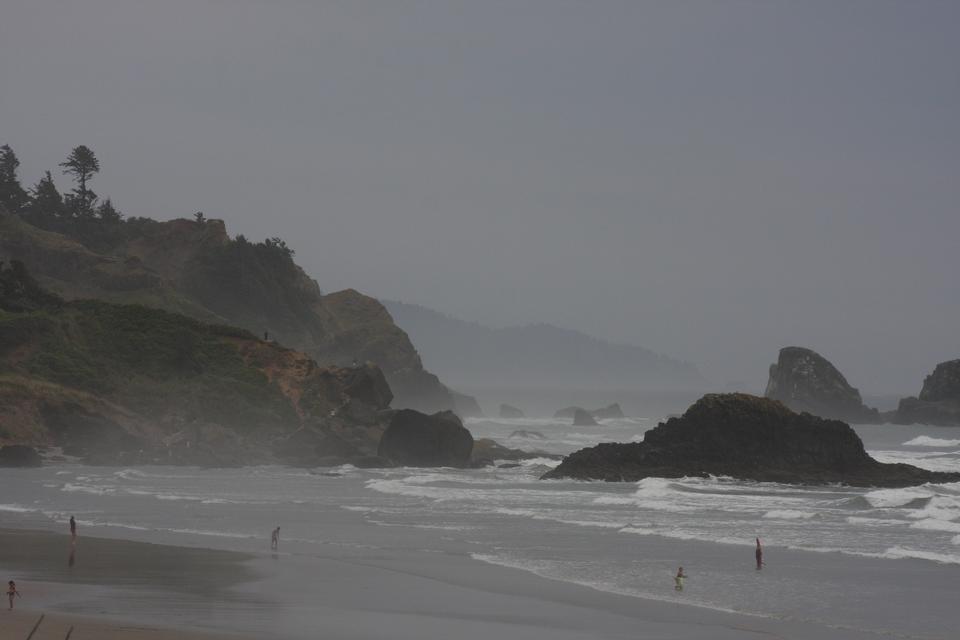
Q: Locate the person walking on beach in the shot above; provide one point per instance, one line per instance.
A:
(678, 579)
(275, 539)
(759, 554)
(73, 530)
(11, 592)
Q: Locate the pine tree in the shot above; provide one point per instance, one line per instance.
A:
(47, 201)
(108, 213)
(82, 165)
(12, 195)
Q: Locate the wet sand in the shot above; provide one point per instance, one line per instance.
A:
(122, 589)
(17, 625)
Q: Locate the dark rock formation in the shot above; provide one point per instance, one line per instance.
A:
(510, 413)
(806, 381)
(417, 440)
(527, 434)
(606, 413)
(943, 384)
(583, 419)
(912, 410)
(567, 414)
(745, 437)
(313, 447)
(939, 401)
(610, 412)
(88, 434)
(18, 455)
(487, 451)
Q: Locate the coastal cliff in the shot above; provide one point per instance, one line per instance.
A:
(193, 267)
(124, 384)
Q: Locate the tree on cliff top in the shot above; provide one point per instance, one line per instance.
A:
(12, 195)
(108, 213)
(47, 201)
(82, 165)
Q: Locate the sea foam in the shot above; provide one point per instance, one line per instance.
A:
(927, 441)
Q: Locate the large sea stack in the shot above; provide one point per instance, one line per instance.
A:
(939, 401)
(510, 412)
(804, 380)
(414, 439)
(582, 418)
(745, 437)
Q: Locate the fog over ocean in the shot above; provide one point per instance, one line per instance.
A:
(904, 544)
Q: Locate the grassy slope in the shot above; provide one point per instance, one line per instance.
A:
(165, 366)
(68, 268)
(197, 270)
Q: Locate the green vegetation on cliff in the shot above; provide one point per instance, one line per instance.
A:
(105, 381)
(158, 362)
(80, 247)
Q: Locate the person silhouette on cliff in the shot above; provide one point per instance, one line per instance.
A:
(759, 554)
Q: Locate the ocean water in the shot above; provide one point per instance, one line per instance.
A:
(626, 538)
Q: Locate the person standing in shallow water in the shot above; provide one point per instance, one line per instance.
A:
(11, 592)
(73, 530)
(678, 579)
(759, 554)
(275, 539)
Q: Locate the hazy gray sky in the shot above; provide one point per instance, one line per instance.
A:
(711, 179)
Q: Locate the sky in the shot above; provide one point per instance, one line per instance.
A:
(713, 180)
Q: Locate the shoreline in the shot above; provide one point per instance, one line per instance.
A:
(134, 589)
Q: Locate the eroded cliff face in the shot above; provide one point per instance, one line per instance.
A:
(804, 380)
(195, 268)
(123, 384)
(939, 400)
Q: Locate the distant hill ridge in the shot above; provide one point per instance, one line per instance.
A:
(472, 354)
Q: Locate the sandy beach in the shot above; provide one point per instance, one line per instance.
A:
(19, 624)
(122, 589)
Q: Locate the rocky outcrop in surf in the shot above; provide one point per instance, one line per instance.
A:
(18, 455)
(804, 380)
(486, 452)
(415, 439)
(606, 413)
(610, 412)
(939, 400)
(510, 412)
(749, 438)
(582, 418)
